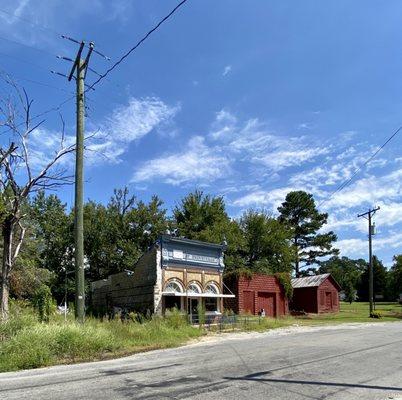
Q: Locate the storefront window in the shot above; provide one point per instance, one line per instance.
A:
(211, 304)
(172, 302)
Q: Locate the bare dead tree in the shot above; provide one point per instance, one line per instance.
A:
(19, 177)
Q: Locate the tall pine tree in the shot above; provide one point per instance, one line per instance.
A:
(300, 214)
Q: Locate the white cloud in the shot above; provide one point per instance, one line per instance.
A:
(356, 247)
(282, 158)
(31, 21)
(369, 190)
(264, 198)
(127, 124)
(138, 118)
(227, 70)
(253, 141)
(197, 163)
(43, 145)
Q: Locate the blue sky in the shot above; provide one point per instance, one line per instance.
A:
(243, 99)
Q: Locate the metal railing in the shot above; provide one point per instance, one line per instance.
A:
(225, 322)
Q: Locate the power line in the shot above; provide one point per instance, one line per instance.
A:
(349, 180)
(34, 23)
(46, 28)
(41, 84)
(27, 45)
(125, 55)
(48, 111)
(23, 61)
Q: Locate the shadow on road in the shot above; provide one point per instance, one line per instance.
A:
(300, 382)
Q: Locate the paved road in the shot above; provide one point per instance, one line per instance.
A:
(346, 362)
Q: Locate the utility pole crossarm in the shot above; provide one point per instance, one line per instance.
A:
(370, 211)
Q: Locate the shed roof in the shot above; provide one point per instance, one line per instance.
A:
(309, 281)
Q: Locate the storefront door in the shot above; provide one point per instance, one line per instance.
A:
(193, 309)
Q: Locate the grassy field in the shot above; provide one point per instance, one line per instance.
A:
(355, 312)
(26, 343)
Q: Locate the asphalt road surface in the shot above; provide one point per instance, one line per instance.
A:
(344, 362)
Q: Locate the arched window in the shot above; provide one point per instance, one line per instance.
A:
(194, 287)
(174, 287)
(211, 303)
(212, 288)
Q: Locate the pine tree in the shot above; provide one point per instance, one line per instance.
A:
(300, 214)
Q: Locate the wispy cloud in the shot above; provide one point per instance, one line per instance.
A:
(108, 143)
(196, 163)
(127, 124)
(227, 70)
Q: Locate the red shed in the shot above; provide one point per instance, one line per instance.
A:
(315, 294)
(256, 293)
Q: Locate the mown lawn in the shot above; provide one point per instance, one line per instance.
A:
(355, 312)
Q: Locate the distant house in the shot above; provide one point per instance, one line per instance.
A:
(315, 294)
(174, 273)
(252, 294)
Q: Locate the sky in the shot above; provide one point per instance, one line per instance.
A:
(244, 99)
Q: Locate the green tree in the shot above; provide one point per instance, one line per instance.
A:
(203, 217)
(301, 216)
(394, 284)
(379, 278)
(267, 242)
(53, 231)
(350, 292)
(116, 235)
(346, 271)
(147, 222)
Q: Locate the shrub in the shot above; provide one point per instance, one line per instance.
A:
(43, 303)
(375, 314)
(175, 319)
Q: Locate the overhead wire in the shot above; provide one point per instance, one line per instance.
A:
(145, 37)
(356, 172)
(28, 46)
(46, 28)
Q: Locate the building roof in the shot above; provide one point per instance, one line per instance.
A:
(174, 239)
(309, 281)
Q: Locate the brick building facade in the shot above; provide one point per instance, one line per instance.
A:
(256, 293)
(175, 273)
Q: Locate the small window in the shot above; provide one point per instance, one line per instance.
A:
(193, 287)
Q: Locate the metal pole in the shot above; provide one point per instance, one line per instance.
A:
(79, 198)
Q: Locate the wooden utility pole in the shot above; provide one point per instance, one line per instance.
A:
(80, 67)
(368, 215)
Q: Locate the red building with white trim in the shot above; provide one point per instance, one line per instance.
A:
(252, 294)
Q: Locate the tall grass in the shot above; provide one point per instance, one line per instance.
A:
(26, 343)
